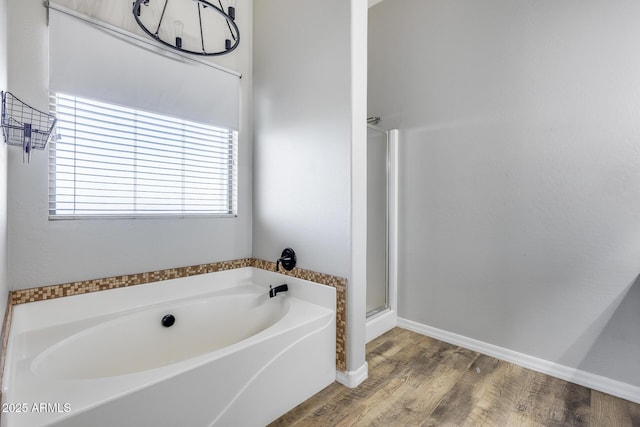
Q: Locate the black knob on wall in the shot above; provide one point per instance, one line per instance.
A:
(287, 259)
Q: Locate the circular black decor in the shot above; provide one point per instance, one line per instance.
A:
(201, 23)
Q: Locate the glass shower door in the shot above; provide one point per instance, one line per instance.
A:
(377, 221)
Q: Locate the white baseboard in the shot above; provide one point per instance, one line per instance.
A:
(577, 376)
(353, 379)
(380, 324)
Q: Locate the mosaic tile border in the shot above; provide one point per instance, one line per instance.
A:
(43, 293)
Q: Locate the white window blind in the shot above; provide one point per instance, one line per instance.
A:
(110, 161)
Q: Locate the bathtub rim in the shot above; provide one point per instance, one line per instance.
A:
(51, 312)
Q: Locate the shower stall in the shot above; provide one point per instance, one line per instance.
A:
(382, 204)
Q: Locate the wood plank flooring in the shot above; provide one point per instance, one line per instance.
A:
(419, 381)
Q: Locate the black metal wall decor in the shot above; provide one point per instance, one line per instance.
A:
(167, 21)
(24, 126)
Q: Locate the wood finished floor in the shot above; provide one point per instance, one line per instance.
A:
(419, 381)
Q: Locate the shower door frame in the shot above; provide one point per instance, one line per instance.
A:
(385, 318)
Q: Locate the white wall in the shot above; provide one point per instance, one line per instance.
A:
(47, 252)
(520, 172)
(310, 143)
(4, 285)
(302, 133)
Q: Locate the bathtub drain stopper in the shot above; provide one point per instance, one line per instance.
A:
(168, 320)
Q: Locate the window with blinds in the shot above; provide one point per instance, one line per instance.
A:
(113, 161)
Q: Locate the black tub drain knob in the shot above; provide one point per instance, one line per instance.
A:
(168, 320)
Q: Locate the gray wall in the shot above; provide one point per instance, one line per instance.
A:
(46, 252)
(4, 285)
(519, 172)
(302, 133)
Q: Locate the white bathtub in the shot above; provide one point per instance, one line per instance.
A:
(234, 356)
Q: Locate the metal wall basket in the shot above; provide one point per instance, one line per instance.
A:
(25, 126)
